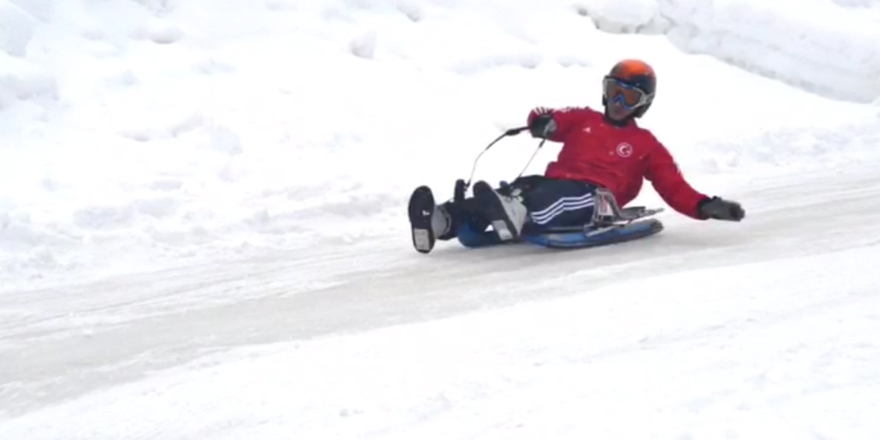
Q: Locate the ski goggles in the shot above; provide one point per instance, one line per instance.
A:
(625, 94)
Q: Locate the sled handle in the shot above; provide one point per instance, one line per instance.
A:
(509, 132)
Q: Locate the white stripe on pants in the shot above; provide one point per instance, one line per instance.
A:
(564, 204)
(562, 200)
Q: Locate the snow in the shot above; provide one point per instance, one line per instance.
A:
(126, 128)
(203, 234)
(581, 351)
(816, 45)
(736, 363)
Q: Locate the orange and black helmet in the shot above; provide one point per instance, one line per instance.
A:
(633, 83)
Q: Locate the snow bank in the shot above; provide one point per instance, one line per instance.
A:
(16, 29)
(136, 134)
(20, 80)
(817, 45)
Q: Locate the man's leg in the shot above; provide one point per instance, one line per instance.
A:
(461, 219)
(533, 201)
(556, 203)
(503, 209)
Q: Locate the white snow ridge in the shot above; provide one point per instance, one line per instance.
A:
(203, 229)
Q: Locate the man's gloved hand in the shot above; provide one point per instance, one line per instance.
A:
(720, 209)
(542, 126)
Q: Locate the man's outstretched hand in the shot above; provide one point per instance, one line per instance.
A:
(720, 209)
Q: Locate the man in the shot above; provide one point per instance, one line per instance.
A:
(600, 149)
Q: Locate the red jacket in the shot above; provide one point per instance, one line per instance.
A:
(617, 158)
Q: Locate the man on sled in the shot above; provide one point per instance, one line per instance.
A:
(605, 155)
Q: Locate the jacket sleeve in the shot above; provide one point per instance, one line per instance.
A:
(565, 119)
(666, 177)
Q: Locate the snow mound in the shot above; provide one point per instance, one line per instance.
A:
(16, 29)
(819, 46)
(21, 80)
(147, 133)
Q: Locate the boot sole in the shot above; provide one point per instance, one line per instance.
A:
(494, 211)
(421, 208)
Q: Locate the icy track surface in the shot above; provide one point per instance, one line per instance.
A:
(202, 230)
(721, 331)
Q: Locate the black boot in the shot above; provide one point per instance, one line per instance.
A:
(504, 211)
(428, 222)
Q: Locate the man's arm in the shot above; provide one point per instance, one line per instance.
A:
(666, 177)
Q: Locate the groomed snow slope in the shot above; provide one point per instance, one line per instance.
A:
(721, 331)
(202, 230)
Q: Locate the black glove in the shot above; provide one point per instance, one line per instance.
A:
(720, 209)
(542, 126)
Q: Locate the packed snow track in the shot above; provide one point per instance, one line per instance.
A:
(203, 225)
(705, 288)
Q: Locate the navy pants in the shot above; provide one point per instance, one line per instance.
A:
(554, 203)
(550, 202)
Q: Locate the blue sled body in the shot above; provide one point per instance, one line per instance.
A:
(611, 224)
(570, 238)
(584, 238)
